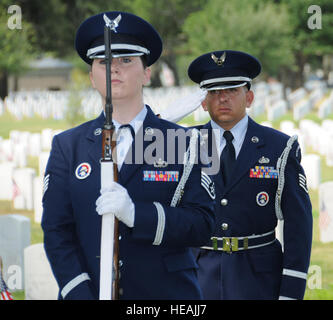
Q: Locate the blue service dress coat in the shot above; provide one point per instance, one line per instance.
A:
(246, 207)
(149, 268)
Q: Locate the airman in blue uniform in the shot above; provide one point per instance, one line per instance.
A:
(162, 203)
(260, 181)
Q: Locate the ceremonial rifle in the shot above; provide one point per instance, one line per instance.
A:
(109, 264)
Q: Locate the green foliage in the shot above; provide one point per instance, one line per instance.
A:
(74, 113)
(277, 32)
(310, 41)
(16, 45)
(257, 27)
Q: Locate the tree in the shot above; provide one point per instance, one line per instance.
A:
(16, 42)
(56, 21)
(258, 27)
(312, 34)
(168, 17)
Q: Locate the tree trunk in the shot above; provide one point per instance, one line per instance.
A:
(3, 84)
(170, 60)
(284, 78)
(300, 63)
(155, 81)
(327, 63)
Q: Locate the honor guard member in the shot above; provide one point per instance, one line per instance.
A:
(260, 182)
(162, 213)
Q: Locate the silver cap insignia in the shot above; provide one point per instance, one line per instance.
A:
(219, 61)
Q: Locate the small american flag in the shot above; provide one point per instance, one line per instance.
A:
(324, 218)
(16, 190)
(4, 293)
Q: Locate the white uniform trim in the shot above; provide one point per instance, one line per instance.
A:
(160, 224)
(73, 283)
(223, 87)
(280, 166)
(91, 53)
(189, 159)
(286, 298)
(302, 182)
(294, 273)
(224, 79)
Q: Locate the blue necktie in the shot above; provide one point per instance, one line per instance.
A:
(123, 126)
(123, 145)
(227, 157)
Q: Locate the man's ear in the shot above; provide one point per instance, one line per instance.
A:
(92, 79)
(204, 104)
(249, 98)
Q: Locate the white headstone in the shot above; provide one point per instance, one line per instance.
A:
(42, 160)
(301, 109)
(200, 115)
(329, 155)
(7, 149)
(35, 144)
(276, 110)
(312, 168)
(46, 139)
(40, 283)
(23, 180)
(38, 194)
(288, 127)
(297, 95)
(14, 237)
(20, 155)
(326, 211)
(310, 131)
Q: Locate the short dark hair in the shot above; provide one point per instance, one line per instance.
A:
(144, 61)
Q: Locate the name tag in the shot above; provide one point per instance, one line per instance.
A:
(262, 172)
(161, 176)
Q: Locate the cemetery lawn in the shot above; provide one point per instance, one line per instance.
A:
(35, 124)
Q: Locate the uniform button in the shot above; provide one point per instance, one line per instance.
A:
(119, 238)
(121, 291)
(224, 202)
(120, 263)
(224, 226)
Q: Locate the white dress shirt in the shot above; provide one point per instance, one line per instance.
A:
(125, 139)
(238, 131)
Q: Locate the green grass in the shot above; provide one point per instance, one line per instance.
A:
(34, 124)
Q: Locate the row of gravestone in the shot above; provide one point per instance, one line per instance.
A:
(269, 97)
(22, 144)
(24, 187)
(299, 101)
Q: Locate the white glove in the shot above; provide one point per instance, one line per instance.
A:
(115, 199)
(182, 107)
